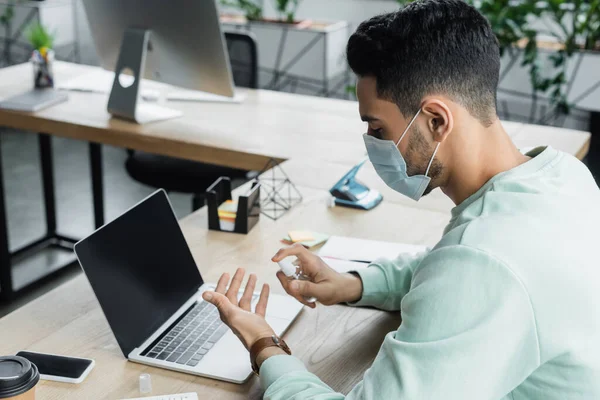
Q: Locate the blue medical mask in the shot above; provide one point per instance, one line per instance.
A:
(391, 167)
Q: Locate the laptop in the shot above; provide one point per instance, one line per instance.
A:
(150, 290)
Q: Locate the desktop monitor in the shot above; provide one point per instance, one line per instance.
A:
(178, 42)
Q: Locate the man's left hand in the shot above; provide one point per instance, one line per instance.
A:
(248, 326)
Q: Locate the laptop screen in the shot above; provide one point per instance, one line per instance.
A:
(140, 269)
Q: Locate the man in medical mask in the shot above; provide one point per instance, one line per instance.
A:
(507, 304)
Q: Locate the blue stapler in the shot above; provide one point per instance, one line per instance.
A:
(348, 192)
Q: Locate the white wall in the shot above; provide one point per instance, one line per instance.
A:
(87, 48)
(58, 17)
(353, 11)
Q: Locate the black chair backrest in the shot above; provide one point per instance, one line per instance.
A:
(243, 55)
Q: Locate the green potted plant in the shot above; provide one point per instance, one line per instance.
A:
(42, 58)
(286, 10)
(576, 31)
(251, 9)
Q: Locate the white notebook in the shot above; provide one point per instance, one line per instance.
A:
(34, 100)
(349, 254)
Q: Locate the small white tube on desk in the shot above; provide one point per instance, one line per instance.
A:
(145, 383)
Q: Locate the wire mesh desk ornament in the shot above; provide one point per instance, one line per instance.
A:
(278, 192)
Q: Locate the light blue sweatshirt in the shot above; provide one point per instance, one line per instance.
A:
(505, 306)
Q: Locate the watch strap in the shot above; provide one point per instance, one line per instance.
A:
(263, 343)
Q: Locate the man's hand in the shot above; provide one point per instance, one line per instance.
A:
(248, 326)
(327, 285)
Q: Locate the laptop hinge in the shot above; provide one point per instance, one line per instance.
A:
(167, 330)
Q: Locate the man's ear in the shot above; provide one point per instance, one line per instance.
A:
(440, 121)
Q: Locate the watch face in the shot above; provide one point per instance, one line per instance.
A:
(281, 344)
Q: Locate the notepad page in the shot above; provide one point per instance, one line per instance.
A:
(352, 249)
(342, 266)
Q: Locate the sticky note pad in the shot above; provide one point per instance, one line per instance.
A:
(229, 206)
(317, 239)
(301, 236)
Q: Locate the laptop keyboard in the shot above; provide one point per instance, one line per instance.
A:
(188, 341)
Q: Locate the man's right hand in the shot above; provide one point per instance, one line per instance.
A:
(326, 285)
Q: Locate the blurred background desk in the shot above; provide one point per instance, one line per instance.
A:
(314, 133)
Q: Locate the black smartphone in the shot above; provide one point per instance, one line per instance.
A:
(59, 368)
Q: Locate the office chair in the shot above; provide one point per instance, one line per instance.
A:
(184, 176)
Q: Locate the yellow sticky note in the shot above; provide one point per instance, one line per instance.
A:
(301, 236)
(318, 238)
(226, 213)
(229, 206)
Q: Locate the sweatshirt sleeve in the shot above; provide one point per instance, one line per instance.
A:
(468, 331)
(385, 282)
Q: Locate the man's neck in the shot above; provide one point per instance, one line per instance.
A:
(479, 154)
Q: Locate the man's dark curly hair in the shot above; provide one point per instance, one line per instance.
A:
(430, 47)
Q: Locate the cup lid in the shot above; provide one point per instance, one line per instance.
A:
(17, 376)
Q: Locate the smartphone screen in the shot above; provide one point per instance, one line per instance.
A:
(52, 365)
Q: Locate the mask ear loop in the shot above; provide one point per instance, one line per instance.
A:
(432, 157)
(408, 127)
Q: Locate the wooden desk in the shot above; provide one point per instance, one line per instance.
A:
(266, 125)
(338, 343)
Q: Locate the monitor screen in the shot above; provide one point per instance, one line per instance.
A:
(140, 269)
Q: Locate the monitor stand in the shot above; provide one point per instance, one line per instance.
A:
(124, 101)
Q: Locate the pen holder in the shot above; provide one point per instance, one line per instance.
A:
(43, 69)
(248, 210)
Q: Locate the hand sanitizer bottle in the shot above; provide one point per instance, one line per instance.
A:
(291, 272)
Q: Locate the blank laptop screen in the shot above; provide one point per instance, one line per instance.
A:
(140, 269)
